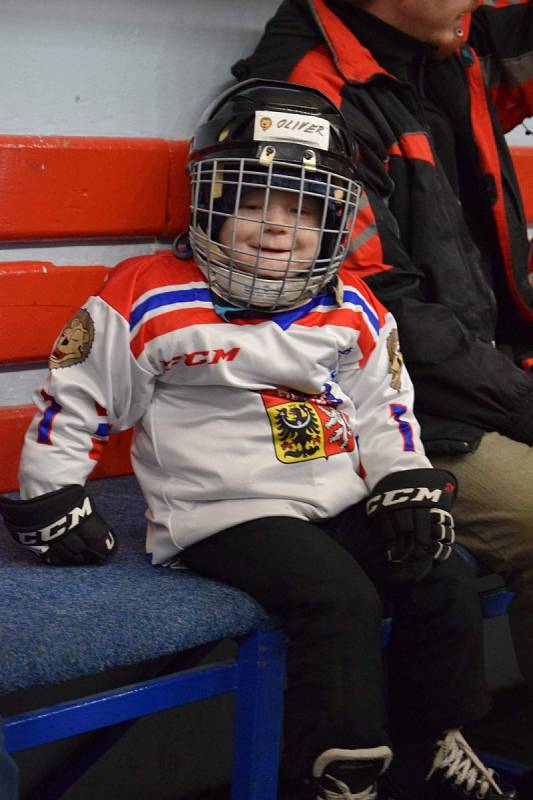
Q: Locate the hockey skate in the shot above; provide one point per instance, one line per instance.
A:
(350, 774)
(455, 774)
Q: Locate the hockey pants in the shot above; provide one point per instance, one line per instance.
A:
(327, 583)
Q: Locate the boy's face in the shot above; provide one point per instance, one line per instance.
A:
(244, 237)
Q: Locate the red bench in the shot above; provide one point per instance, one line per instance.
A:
(77, 189)
(74, 189)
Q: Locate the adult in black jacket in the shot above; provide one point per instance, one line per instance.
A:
(429, 87)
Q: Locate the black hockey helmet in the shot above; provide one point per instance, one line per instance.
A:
(270, 135)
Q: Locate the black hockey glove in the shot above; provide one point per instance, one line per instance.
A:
(411, 511)
(60, 527)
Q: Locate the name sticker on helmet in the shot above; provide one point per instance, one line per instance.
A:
(277, 126)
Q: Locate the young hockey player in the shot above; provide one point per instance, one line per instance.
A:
(277, 450)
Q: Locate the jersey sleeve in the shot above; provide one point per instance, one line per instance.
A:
(94, 386)
(388, 434)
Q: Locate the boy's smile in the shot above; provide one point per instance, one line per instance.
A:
(271, 240)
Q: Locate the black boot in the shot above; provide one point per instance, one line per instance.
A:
(451, 772)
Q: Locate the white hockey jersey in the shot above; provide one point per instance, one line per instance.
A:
(296, 414)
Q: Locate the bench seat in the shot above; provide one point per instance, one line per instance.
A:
(64, 622)
(127, 611)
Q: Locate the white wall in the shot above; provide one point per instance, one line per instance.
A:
(119, 67)
(520, 136)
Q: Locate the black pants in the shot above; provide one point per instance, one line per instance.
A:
(327, 583)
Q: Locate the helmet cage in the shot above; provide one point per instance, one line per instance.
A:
(269, 136)
(218, 189)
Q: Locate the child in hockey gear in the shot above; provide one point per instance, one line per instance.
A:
(275, 441)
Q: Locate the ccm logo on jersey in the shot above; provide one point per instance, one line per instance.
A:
(58, 528)
(208, 357)
(396, 496)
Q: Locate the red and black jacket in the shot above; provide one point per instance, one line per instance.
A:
(410, 242)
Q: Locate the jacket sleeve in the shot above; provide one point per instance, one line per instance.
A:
(502, 35)
(456, 375)
(79, 404)
(388, 434)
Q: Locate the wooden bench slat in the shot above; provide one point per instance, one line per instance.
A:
(65, 187)
(68, 187)
(179, 189)
(36, 300)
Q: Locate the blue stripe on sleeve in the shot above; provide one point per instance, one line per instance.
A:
(44, 430)
(397, 411)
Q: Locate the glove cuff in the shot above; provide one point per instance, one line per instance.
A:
(413, 488)
(57, 513)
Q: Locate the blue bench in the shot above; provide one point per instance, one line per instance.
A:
(60, 623)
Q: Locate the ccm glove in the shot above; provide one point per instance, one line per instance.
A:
(411, 511)
(60, 527)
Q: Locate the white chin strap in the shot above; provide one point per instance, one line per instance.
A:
(248, 289)
(251, 290)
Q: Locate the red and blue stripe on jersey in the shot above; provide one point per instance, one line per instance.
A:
(160, 294)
